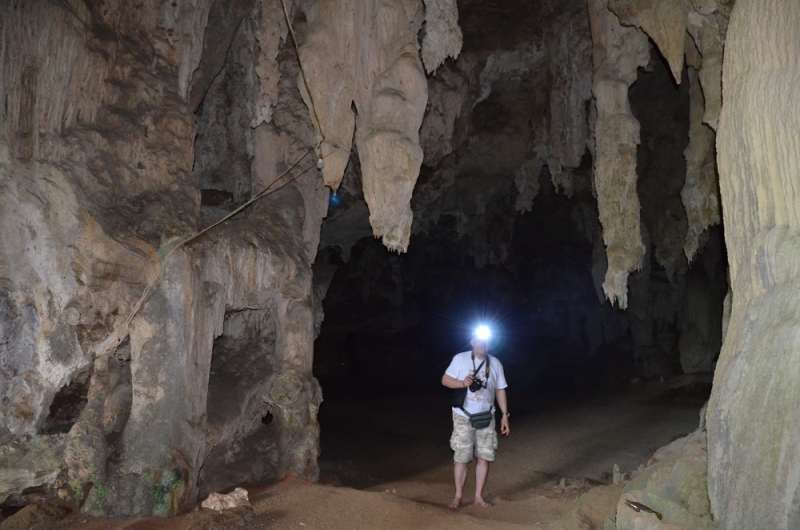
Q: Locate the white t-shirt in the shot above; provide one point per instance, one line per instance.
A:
(462, 365)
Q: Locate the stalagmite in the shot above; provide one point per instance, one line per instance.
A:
(618, 52)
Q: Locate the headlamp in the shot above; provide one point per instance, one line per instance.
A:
(483, 332)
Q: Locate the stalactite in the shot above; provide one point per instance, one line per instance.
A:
(699, 194)
(369, 78)
(618, 52)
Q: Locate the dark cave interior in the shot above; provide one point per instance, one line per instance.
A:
(393, 322)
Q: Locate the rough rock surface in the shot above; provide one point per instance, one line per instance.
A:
(753, 426)
(667, 23)
(708, 29)
(219, 502)
(674, 485)
(699, 195)
(97, 145)
(364, 75)
(443, 36)
(663, 20)
(618, 53)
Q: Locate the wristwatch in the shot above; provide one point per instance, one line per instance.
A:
(506, 414)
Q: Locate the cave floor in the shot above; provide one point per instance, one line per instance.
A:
(386, 463)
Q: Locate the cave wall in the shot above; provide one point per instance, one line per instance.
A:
(754, 470)
(99, 179)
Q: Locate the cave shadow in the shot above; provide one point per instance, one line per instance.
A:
(370, 441)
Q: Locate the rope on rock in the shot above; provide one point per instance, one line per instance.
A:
(317, 147)
(314, 115)
(122, 333)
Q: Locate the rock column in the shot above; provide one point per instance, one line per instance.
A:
(753, 423)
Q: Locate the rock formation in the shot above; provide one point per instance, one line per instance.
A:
(365, 55)
(618, 53)
(98, 144)
(754, 471)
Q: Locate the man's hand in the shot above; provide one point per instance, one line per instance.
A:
(452, 382)
(502, 400)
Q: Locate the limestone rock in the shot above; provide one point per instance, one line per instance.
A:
(270, 30)
(588, 510)
(229, 501)
(708, 32)
(618, 52)
(38, 515)
(224, 19)
(443, 36)
(30, 462)
(368, 75)
(526, 179)
(445, 125)
(754, 467)
(699, 194)
(96, 161)
(570, 64)
(663, 20)
(674, 485)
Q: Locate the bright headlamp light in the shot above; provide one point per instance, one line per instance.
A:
(483, 332)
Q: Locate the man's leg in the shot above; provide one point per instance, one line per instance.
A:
(460, 473)
(462, 442)
(486, 444)
(481, 471)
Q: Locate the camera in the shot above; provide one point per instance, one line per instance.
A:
(476, 385)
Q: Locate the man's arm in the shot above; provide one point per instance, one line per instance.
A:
(452, 382)
(502, 402)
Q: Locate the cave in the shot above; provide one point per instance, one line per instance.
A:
(242, 241)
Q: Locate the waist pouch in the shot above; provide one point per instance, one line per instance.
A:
(480, 420)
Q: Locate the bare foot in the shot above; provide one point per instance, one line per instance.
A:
(456, 504)
(482, 503)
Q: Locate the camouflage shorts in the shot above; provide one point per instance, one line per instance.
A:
(465, 440)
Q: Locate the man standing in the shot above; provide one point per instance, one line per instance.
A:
(465, 439)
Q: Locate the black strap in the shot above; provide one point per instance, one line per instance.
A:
(486, 360)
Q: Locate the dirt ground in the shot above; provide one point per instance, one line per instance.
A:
(386, 463)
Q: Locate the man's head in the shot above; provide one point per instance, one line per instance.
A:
(480, 347)
(480, 340)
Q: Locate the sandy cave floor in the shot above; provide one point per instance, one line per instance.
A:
(386, 463)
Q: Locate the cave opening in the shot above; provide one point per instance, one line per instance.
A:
(522, 250)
